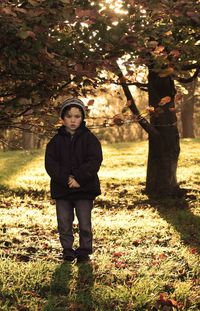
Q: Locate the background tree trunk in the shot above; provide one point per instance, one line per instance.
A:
(27, 137)
(187, 110)
(164, 150)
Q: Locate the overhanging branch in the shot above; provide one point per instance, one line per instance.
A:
(144, 123)
(141, 86)
(190, 66)
(188, 80)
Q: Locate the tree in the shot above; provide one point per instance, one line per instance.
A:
(68, 44)
(164, 37)
(187, 109)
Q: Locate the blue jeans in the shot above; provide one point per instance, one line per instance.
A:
(65, 217)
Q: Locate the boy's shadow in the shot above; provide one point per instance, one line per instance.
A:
(178, 213)
(59, 288)
(85, 281)
(65, 294)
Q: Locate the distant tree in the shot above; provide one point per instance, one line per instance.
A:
(187, 109)
(64, 45)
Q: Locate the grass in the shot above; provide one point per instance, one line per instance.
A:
(146, 252)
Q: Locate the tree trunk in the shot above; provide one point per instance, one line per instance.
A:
(163, 136)
(163, 152)
(27, 137)
(187, 110)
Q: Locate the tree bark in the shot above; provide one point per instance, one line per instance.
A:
(163, 133)
(27, 137)
(163, 155)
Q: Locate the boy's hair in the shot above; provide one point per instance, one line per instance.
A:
(72, 102)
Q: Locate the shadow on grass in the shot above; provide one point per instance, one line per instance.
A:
(59, 288)
(68, 292)
(21, 192)
(84, 285)
(177, 212)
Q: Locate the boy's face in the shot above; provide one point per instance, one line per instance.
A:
(72, 119)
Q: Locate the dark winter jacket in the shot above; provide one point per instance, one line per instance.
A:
(79, 155)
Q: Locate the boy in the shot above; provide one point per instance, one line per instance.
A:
(72, 160)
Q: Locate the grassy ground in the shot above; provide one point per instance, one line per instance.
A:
(146, 252)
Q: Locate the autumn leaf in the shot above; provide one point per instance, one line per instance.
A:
(24, 101)
(168, 33)
(152, 44)
(117, 254)
(173, 302)
(125, 109)
(130, 72)
(136, 243)
(33, 2)
(90, 102)
(159, 49)
(178, 97)
(191, 13)
(132, 3)
(89, 22)
(151, 109)
(129, 103)
(8, 11)
(175, 53)
(37, 12)
(85, 13)
(21, 10)
(162, 256)
(193, 250)
(166, 72)
(165, 100)
(45, 245)
(108, 47)
(30, 293)
(163, 296)
(117, 119)
(75, 307)
(165, 301)
(24, 34)
(66, 1)
(78, 68)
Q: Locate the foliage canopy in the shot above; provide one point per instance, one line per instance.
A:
(55, 47)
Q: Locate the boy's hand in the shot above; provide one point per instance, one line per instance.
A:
(72, 183)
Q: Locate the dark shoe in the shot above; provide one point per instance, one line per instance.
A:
(83, 258)
(68, 258)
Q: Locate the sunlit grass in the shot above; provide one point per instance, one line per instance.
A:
(26, 170)
(142, 249)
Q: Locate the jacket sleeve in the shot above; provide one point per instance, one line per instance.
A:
(90, 167)
(52, 165)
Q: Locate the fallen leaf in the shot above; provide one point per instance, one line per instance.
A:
(162, 256)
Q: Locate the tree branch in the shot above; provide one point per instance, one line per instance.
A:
(142, 86)
(149, 128)
(190, 66)
(188, 80)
